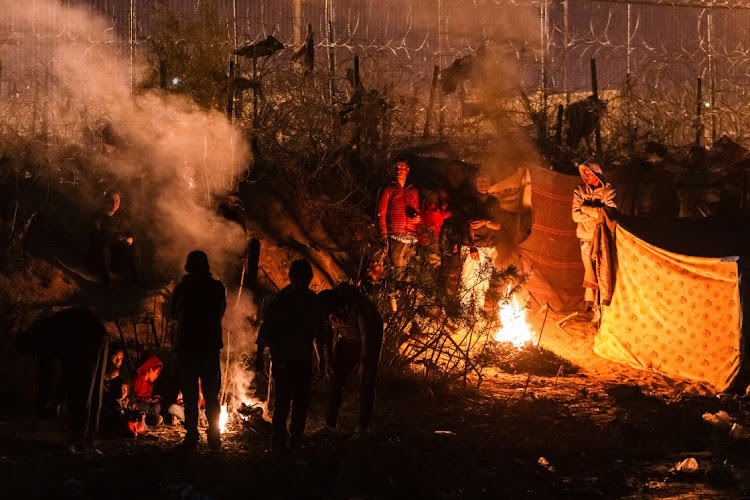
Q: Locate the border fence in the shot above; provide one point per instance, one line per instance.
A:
(650, 54)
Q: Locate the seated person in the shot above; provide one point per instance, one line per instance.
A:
(177, 410)
(114, 363)
(143, 388)
(118, 418)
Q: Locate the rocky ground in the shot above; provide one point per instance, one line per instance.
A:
(591, 434)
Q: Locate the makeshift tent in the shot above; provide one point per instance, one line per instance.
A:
(552, 251)
(676, 307)
(678, 314)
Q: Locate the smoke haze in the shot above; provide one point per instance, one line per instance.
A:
(67, 82)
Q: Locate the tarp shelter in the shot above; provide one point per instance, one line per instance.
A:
(552, 250)
(676, 307)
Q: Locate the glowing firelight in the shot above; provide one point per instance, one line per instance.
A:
(513, 325)
(223, 418)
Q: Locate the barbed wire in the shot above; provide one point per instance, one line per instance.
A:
(665, 44)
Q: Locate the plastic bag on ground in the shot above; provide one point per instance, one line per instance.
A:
(688, 465)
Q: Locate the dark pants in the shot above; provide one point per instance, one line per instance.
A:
(107, 256)
(151, 410)
(207, 369)
(346, 356)
(293, 384)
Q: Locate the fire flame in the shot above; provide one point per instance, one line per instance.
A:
(513, 325)
(223, 418)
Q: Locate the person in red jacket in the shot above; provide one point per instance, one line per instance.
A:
(398, 216)
(143, 389)
(432, 215)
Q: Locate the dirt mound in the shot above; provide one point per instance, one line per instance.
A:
(531, 359)
(38, 283)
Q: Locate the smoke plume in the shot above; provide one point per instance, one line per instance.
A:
(66, 82)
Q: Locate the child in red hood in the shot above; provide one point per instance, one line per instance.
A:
(143, 388)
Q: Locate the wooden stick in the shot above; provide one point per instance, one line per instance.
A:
(559, 324)
(595, 93)
(242, 284)
(431, 102)
(135, 332)
(698, 111)
(541, 330)
(156, 336)
(125, 347)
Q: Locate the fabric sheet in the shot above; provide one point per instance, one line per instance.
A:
(673, 314)
(552, 251)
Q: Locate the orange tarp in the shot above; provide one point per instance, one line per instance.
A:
(673, 314)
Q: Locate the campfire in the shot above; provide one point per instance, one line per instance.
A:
(247, 410)
(513, 325)
(223, 419)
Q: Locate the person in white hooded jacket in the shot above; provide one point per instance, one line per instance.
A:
(589, 200)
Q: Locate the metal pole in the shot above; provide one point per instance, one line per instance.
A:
(331, 18)
(543, 42)
(595, 93)
(566, 40)
(230, 91)
(298, 22)
(236, 37)
(440, 33)
(232, 108)
(628, 83)
(712, 75)
(132, 46)
(698, 111)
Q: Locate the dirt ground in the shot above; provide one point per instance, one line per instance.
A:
(585, 435)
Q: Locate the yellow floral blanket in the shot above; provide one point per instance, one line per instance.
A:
(673, 314)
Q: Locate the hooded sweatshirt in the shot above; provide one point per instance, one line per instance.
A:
(142, 387)
(588, 200)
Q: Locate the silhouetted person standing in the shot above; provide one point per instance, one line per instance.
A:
(357, 328)
(198, 305)
(290, 325)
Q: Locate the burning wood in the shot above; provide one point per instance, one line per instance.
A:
(513, 325)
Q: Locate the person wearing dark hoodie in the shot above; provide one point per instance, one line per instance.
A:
(76, 341)
(291, 323)
(357, 328)
(143, 389)
(198, 304)
(589, 201)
